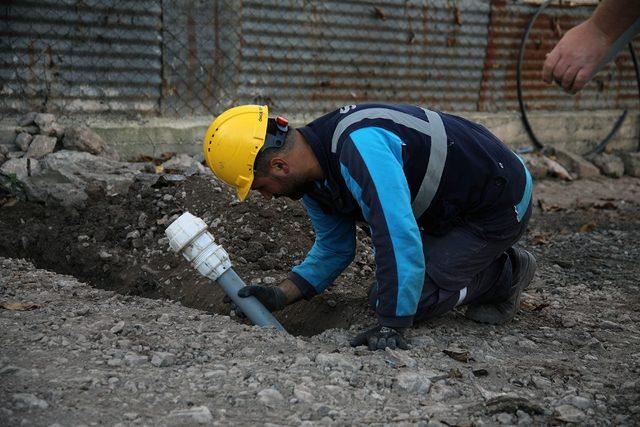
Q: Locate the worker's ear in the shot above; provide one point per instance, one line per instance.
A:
(279, 166)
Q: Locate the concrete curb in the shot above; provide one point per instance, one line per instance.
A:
(575, 132)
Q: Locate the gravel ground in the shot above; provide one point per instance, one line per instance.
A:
(73, 354)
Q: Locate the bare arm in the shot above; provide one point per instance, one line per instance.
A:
(584, 49)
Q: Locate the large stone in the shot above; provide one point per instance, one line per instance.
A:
(569, 414)
(184, 164)
(608, 164)
(631, 163)
(542, 166)
(46, 123)
(41, 146)
(20, 167)
(23, 140)
(80, 138)
(68, 177)
(576, 164)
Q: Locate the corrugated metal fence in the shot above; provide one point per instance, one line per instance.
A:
(193, 57)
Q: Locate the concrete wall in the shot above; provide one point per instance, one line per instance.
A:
(576, 132)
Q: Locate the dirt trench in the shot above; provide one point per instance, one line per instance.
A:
(117, 243)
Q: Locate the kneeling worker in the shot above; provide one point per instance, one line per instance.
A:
(443, 198)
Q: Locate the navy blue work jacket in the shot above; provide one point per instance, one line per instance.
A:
(405, 170)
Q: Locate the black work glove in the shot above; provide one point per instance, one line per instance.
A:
(271, 297)
(380, 337)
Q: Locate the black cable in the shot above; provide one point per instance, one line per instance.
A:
(525, 119)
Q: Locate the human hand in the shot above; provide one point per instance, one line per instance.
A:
(380, 337)
(272, 297)
(575, 58)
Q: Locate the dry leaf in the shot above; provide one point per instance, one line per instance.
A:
(19, 306)
(587, 228)
(531, 306)
(540, 239)
(549, 208)
(159, 169)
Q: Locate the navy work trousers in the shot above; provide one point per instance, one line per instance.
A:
(469, 263)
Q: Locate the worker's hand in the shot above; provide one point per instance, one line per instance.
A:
(380, 337)
(272, 297)
(575, 58)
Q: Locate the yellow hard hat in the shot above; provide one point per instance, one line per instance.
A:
(232, 143)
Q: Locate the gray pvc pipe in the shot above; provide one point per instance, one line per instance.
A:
(231, 283)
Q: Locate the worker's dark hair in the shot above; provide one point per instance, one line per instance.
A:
(261, 164)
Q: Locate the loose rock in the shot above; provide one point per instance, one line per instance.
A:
(41, 146)
(197, 414)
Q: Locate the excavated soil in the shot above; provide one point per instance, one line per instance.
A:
(571, 355)
(263, 239)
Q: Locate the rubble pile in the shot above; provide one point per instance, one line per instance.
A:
(65, 166)
(567, 166)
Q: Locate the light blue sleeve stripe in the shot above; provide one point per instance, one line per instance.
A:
(521, 207)
(381, 151)
(333, 250)
(355, 189)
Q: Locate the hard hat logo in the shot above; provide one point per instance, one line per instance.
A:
(232, 143)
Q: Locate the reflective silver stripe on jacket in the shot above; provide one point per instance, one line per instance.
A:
(434, 128)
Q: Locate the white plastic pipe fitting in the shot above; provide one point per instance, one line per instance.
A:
(188, 234)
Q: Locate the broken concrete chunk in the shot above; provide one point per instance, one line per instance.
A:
(576, 164)
(609, 164)
(41, 146)
(23, 140)
(541, 166)
(80, 138)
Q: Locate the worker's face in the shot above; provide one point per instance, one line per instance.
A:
(278, 185)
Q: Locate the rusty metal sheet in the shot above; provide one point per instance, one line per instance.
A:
(89, 57)
(313, 56)
(614, 87)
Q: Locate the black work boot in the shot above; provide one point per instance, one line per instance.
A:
(524, 267)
